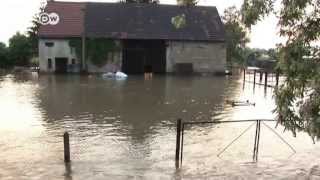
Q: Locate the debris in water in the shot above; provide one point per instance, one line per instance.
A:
(240, 103)
(117, 75)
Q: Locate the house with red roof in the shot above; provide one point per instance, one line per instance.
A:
(163, 38)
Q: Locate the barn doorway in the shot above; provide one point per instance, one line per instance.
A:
(61, 65)
(139, 55)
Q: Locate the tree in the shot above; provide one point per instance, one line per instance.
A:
(298, 98)
(20, 49)
(187, 2)
(4, 60)
(273, 53)
(33, 31)
(236, 36)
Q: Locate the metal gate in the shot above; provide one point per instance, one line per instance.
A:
(181, 128)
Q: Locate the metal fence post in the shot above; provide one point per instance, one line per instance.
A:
(178, 142)
(66, 145)
(258, 140)
(255, 142)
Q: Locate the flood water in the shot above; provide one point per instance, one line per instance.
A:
(126, 129)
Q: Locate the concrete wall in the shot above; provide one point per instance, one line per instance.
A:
(206, 57)
(60, 49)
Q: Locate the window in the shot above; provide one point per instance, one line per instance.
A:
(49, 63)
(73, 61)
(49, 44)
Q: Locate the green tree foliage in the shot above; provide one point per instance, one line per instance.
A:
(32, 32)
(236, 36)
(20, 50)
(76, 44)
(187, 2)
(298, 98)
(273, 54)
(255, 10)
(262, 58)
(97, 49)
(179, 21)
(261, 54)
(4, 56)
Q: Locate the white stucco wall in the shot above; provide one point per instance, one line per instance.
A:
(60, 49)
(206, 57)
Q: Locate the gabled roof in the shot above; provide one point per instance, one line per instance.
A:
(135, 21)
(71, 20)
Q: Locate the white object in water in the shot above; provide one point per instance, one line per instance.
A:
(121, 75)
(108, 75)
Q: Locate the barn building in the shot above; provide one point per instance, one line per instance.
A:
(167, 38)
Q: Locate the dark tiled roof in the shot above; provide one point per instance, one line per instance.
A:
(71, 20)
(151, 21)
(134, 21)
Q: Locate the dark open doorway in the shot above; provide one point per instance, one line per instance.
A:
(139, 55)
(61, 65)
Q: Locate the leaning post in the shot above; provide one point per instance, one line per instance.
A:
(66, 145)
(266, 80)
(178, 142)
(244, 74)
(258, 140)
(255, 142)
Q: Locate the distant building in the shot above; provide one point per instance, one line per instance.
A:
(145, 33)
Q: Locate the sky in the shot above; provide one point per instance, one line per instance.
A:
(16, 15)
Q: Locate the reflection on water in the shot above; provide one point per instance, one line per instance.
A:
(126, 129)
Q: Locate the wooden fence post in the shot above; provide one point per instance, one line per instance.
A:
(277, 78)
(254, 78)
(178, 142)
(66, 145)
(266, 80)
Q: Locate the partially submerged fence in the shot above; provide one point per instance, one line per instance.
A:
(181, 128)
(180, 138)
(261, 73)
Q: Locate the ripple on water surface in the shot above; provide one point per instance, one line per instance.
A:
(127, 129)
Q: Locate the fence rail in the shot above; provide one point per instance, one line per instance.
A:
(181, 127)
(261, 73)
(180, 138)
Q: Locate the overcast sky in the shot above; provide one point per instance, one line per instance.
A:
(15, 15)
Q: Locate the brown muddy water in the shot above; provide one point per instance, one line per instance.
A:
(126, 130)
